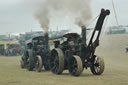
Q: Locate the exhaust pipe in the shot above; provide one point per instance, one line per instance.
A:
(83, 34)
(46, 40)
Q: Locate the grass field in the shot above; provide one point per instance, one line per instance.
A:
(112, 49)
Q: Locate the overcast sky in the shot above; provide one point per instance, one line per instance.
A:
(16, 17)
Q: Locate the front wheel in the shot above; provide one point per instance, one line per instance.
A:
(38, 65)
(75, 65)
(98, 66)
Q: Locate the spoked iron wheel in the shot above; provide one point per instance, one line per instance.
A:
(98, 67)
(75, 66)
(38, 64)
(57, 61)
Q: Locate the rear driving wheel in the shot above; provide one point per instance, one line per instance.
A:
(38, 64)
(75, 66)
(57, 61)
(98, 66)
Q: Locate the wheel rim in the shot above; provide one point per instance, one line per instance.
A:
(98, 66)
(54, 62)
(57, 61)
(38, 64)
(75, 66)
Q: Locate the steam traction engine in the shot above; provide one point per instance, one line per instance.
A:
(74, 54)
(36, 54)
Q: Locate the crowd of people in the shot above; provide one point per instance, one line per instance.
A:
(10, 50)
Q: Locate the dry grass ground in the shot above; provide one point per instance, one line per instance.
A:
(112, 48)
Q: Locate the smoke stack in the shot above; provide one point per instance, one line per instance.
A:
(46, 40)
(83, 34)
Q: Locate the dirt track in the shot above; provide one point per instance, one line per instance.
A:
(112, 48)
